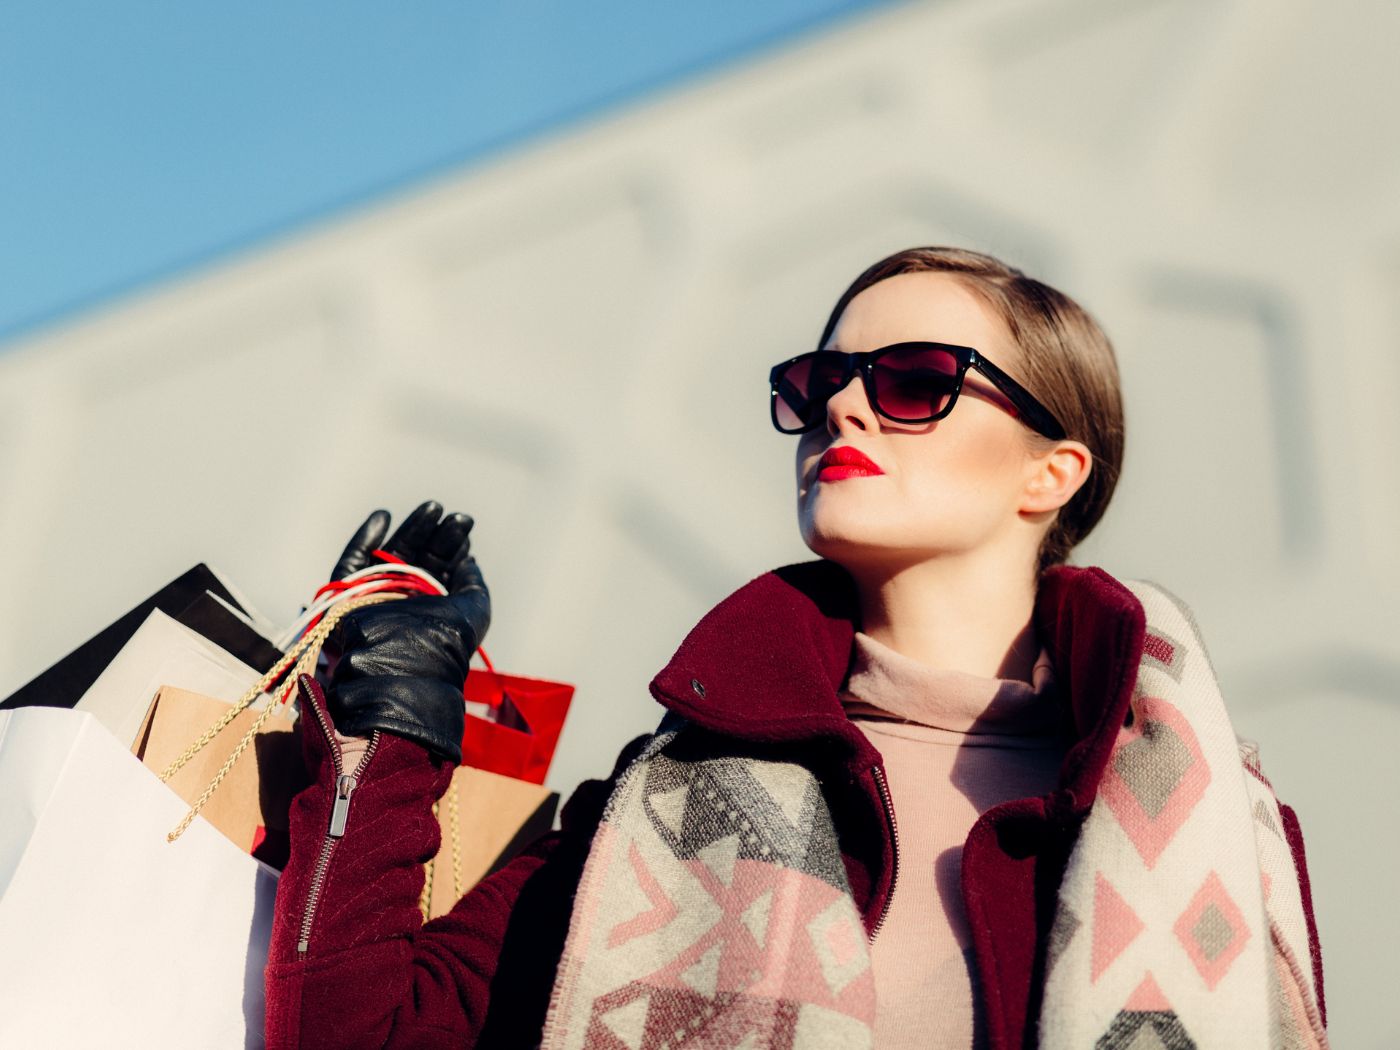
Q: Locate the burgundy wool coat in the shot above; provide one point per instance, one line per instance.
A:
(352, 965)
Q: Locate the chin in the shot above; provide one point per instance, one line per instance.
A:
(851, 545)
(874, 541)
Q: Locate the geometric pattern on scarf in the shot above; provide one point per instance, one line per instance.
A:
(1180, 884)
(713, 911)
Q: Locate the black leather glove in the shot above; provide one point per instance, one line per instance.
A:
(441, 547)
(402, 665)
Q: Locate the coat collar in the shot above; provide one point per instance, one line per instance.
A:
(767, 662)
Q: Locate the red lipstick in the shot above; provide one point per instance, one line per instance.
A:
(843, 461)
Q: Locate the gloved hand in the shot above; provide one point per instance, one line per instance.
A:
(441, 547)
(402, 665)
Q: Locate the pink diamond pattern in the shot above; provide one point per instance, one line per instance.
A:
(1212, 930)
(1116, 926)
(1156, 776)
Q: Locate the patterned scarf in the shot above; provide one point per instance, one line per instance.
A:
(714, 909)
(1180, 904)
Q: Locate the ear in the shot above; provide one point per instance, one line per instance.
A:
(1055, 475)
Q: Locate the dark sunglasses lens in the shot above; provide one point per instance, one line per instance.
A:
(915, 383)
(804, 388)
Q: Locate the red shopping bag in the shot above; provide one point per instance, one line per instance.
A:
(513, 723)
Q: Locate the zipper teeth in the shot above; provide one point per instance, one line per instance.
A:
(369, 753)
(317, 878)
(879, 773)
(326, 730)
(318, 875)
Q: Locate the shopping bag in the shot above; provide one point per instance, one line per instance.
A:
(486, 819)
(200, 599)
(513, 722)
(501, 813)
(112, 936)
(223, 742)
(161, 652)
(252, 803)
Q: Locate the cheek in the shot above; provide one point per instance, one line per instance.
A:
(809, 450)
(957, 483)
(965, 483)
(971, 461)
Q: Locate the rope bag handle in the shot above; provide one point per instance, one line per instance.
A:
(392, 580)
(299, 660)
(453, 834)
(302, 643)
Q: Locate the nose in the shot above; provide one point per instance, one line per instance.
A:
(849, 408)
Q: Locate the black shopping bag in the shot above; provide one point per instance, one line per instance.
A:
(198, 599)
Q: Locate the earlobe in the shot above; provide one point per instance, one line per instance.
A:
(1058, 475)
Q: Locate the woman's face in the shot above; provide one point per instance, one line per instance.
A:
(948, 487)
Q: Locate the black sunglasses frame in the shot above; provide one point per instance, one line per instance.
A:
(1030, 411)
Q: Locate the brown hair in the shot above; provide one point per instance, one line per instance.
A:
(1066, 361)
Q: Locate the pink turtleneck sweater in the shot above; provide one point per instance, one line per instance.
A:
(954, 745)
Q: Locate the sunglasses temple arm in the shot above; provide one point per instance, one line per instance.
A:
(1032, 411)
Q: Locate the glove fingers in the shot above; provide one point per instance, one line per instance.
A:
(367, 537)
(449, 546)
(410, 539)
(472, 599)
(448, 539)
(466, 576)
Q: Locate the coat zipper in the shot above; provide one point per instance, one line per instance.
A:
(878, 772)
(345, 784)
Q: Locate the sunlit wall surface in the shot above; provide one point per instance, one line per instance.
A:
(569, 339)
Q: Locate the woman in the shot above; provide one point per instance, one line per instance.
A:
(1084, 854)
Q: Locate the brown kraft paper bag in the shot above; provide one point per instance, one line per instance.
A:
(250, 807)
(486, 818)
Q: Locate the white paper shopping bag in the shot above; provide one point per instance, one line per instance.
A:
(161, 652)
(109, 935)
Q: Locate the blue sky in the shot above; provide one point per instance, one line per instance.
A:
(139, 139)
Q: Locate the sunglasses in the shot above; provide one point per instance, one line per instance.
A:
(915, 382)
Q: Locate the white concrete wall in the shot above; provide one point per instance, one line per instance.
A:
(571, 343)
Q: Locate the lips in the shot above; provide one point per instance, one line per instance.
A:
(845, 462)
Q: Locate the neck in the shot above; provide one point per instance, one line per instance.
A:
(955, 613)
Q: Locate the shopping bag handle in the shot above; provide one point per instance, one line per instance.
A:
(499, 695)
(504, 710)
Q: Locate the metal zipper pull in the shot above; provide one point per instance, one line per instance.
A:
(340, 807)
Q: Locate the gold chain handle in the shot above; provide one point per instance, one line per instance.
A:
(301, 657)
(456, 845)
(452, 832)
(425, 897)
